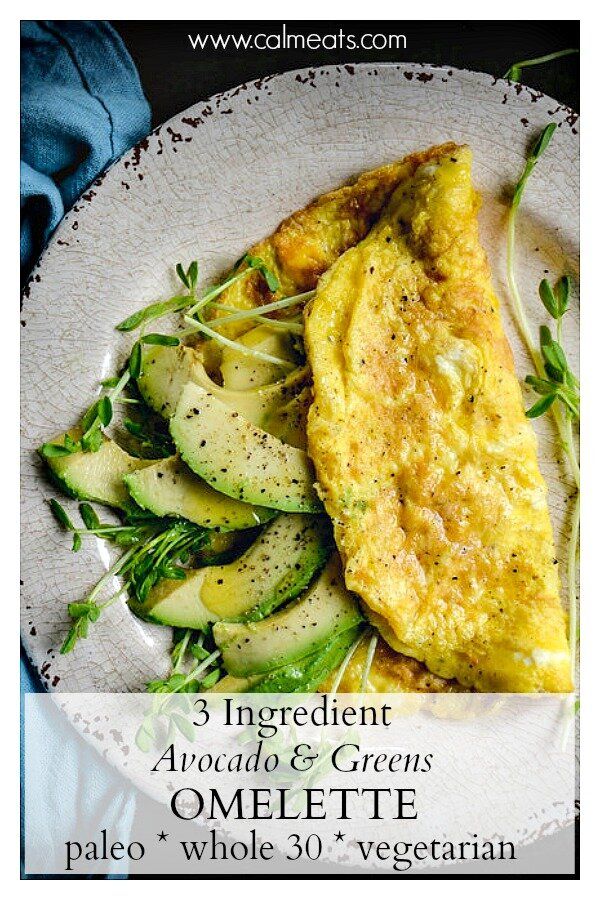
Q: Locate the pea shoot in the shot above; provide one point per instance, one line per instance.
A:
(157, 548)
(553, 381)
(515, 73)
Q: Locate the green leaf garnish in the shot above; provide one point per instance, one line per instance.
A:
(563, 295)
(153, 311)
(189, 278)
(89, 517)
(61, 515)
(548, 299)
(135, 361)
(255, 262)
(530, 163)
(89, 417)
(540, 406)
(51, 451)
(556, 363)
(105, 410)
(540, 385)
(163, 340)
(92, 440)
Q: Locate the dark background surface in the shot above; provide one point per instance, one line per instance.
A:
(174, 76)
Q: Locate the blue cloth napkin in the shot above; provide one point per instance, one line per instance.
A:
(82, 106)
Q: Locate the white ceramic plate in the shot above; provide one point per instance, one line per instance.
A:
(206, 185)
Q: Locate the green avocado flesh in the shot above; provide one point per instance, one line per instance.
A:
(177, 603)
(326, 610)
(97, 476)
(166, 371)
(238, 458)
(170, 488)
(230, 685)
(303, 677)
(307, 674)
(275, 568)
(288, 422)
(242, 372)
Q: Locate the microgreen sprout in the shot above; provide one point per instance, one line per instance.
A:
(95, 419)
(253, 264)
(344, 664)
(165, 707)
(190, 303)
(260, 311)
(156, 549)
(536, 355)
(236, 345)
(515, 72)
(559, 382)
(364, 681)
(553, 379)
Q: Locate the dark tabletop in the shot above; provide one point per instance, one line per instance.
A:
(174, 76)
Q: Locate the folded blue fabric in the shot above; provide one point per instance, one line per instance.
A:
(82, 106)
(67, 782)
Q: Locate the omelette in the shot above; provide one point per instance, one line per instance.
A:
(425, 460)
(300, 250)
(309, 241)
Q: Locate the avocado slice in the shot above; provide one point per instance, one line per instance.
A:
(300, 629)
(303, 677)
(242, 372)
(176, 602)
(166, 371)
(223, 546)
(96, 476)
(288, 422)
(238, 458)
(230, 685)
(307, 674)
(275, 568)
(170, 488)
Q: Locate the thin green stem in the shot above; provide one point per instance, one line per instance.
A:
(564, 433)
(114, 597)
(569, 444)
(518, 307)
(235, 345)
(572, 584)
(284, 303)
(201, 667)
(369, 661)
(182, 649)
(114, 570)
(549, 57)
(345, 663)
(213, 292)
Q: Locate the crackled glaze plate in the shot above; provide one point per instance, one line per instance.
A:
(207, 185)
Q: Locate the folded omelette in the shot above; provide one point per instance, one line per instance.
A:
(304, 246)
(309, 241)
(426, 462)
